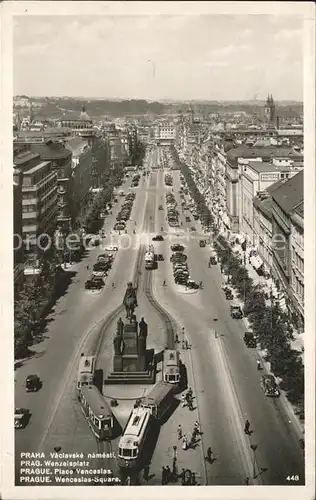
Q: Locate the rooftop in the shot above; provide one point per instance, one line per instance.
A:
(265, 204)
(290, 194)
(243, 151)
(24, 156)
(51, 150)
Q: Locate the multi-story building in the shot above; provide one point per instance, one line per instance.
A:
(90, 170)
(287, 203)
(61, 161)
(17, 225)
(297, 261)
(41, 136)
(236, 159)
(262, 225)
(39, 198)
(81, 126)
(255, 177)
(164, 133)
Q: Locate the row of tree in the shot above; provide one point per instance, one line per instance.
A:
(272, 326)
(33, 297)
(137, 150)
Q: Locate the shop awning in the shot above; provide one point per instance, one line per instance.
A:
(256, 262)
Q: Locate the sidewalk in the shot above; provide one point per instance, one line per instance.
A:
(192, 458)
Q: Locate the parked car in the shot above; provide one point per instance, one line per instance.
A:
(120, 226)
(192, 284)
(236, 312)
(160, 207)
(202, 243)
(94, 283)
(177, 248)
(187, 219)
(99, 274)
(269, 386)
(112, 248)
(33, 383)
(21, 417)
(158, 237)
(250, 340)
(213, 260)
(192, 228)
(160, 257)
(228, 294)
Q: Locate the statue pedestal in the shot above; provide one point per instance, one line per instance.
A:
(129, 363)
(117, 363)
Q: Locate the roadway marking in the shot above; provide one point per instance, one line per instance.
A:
(217, 346)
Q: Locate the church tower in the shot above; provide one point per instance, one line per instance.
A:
(269, 110)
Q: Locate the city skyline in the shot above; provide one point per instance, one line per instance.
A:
(208, 57)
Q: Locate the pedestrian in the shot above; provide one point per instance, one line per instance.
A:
(193, 480)
(183, 397)
(187, 344)
(176, 339)
(168, 474)
(88, 267)
(247, 481)
(183, 345)
(146, 473)
(247, 427)
(197, 427)
(179, 431)
(201, 284)
(209, 263)
(174, 467)
(258, 364)
(190, 392)
(209, 453)
(184, 442)
(163, 475)
(181, 475)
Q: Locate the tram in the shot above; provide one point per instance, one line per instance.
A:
(171, 366)
(97, 412)
(159, 400)
(131, 444)
(86, 371)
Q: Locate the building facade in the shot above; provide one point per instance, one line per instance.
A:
(297, 260)
(61, 162)
(39, 198)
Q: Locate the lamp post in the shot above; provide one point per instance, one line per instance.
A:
(254, 447)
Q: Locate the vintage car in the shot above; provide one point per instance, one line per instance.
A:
(21, 417)
(158, 237)
(33, 383)
(202, 243)
(228, 293)
(236, 312)
(177, 248)
(160, 257)
(269, 386)
(213, 260)
(94, 283)
(192, 284)
(250, 340)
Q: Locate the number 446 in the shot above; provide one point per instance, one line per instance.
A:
(293, 478)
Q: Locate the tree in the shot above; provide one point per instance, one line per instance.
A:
(255, 300)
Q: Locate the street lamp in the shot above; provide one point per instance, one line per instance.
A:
(254, 447)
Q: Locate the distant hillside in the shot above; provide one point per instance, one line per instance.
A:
(56, 107)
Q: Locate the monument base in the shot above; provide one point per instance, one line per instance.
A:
(134, 369)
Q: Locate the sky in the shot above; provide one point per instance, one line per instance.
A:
(181, 57)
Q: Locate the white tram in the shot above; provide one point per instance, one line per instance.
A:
(97, 412)
(131, 444)
(171, 366)
(86, 371)
(159, 399)
(150, 258)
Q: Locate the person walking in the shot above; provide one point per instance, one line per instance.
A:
(247, 427)
(174, 467)
(197, 427)
(258, 365)
(163, 475)
(183, 398)
(184, 442)
(193, 480)
(146, 473)
(247, 481)
(179, 431)
(168, 474)
(88, 267)
(209, 454)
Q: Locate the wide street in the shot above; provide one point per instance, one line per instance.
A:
(222, 371)
(226, 378)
